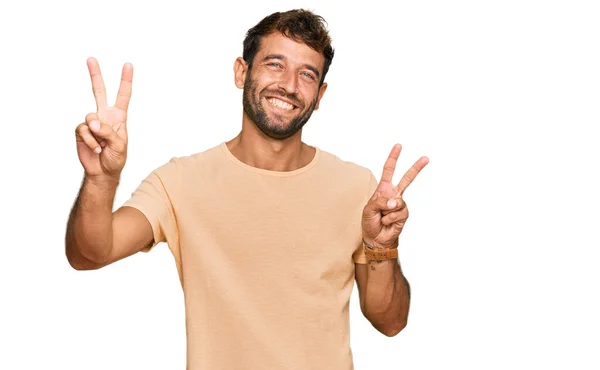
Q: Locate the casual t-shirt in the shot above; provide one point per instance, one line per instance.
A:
(265, 258)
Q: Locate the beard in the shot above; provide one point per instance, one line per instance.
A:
(274, 126)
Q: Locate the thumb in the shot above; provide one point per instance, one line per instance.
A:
(378, 205)
(104, 131)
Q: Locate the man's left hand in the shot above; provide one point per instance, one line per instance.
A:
(386, 213)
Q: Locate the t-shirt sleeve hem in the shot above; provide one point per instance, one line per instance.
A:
(155, 227)
(360, 261)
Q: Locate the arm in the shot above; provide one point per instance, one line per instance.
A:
(384, 295)
(96, 236)
(384, 291)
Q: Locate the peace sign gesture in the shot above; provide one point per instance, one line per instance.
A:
(386, 213)
(102, 138)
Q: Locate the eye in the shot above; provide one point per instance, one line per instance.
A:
(276, 65)
(308, 75)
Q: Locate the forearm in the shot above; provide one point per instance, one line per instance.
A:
(89, 230)
(387, 297)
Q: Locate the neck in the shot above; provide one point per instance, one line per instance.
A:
(256, 149)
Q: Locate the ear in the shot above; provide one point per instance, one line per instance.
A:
(240, 69)
(321, 93)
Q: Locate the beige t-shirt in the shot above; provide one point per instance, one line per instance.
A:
(265, 258)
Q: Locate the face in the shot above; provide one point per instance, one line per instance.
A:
(281, 89)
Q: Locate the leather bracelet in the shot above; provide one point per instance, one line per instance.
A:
(379, 254)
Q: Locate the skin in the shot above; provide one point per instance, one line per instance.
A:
(270, 139)
(286, 75)
(96, 237)
(383, 290)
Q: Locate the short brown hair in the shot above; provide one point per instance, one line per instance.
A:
(298, 24)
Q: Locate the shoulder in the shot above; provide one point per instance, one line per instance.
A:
(360, 177)
(189, 164)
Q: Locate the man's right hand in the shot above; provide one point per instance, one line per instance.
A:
(102, 138)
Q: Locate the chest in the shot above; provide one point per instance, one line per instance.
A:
(306, 232)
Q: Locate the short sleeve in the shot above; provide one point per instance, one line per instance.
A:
(359, 254)
(154, 198)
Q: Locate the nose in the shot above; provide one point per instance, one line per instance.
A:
(289, 82)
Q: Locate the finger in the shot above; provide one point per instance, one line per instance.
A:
(124, 94)
(94, 117)
(91, 117)
(97, 83)
(393, 217)
(377, 206)
(390, 163)
(105, 132)
(411, 174)
(400, 204)
(84, 134)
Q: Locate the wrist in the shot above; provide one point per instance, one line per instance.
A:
(106, 182)
(380, 253)
(371, 243)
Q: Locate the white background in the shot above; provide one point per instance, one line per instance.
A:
(501, 247)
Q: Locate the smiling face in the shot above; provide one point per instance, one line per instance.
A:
(281, 88)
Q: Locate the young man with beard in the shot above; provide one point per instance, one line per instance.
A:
(268, 232)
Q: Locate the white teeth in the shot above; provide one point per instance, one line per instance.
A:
(280, 104)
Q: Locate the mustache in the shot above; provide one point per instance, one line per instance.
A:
(290, 97)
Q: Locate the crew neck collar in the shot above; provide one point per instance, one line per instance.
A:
(262, 171)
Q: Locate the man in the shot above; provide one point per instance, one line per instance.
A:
(268, 232)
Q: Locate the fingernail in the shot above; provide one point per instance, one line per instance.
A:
(95, 125)
(98, 150)
(391, 203)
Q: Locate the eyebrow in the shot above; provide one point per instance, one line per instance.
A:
(282, 57)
